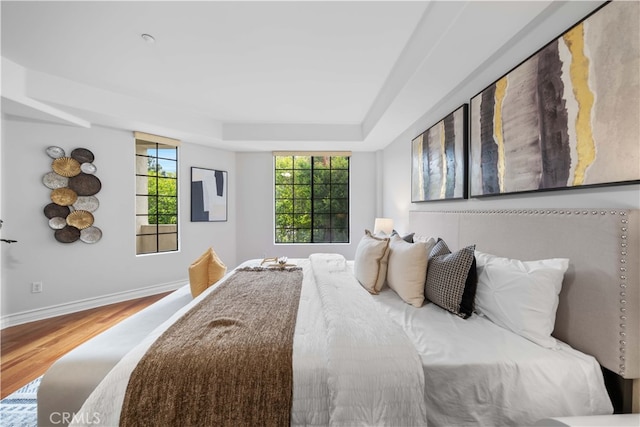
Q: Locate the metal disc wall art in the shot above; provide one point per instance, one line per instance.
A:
(86, 203)
(52, 180)
(53, 210)
(55, 152)
(73, 186)
(66, 166)
(85, 185)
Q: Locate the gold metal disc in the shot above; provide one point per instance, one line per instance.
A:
(66, 166)
(63, 196)
(80, 219)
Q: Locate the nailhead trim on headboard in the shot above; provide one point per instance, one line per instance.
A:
(623, 293)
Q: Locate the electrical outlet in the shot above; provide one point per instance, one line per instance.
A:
(36, 287)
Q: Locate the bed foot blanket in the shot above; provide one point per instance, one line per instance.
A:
(375, 375)
(226, 362)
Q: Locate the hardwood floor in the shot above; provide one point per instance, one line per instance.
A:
(28, 350)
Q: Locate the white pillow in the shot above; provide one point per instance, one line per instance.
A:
(521, 296)
(407, 269)
(370, 264)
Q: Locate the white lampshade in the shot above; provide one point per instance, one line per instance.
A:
(384, 225)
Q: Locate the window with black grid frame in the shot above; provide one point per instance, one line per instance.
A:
(311, 198)
(156, 195)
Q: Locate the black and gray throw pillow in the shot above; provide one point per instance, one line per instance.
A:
(407, 237)
(452, 279)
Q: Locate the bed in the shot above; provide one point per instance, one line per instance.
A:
(487, 375)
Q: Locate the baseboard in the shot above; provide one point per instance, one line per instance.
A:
(85, 304)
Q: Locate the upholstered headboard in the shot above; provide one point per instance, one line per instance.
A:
(599, 310)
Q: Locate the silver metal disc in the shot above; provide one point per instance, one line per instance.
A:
(52, 180)
(89, 168)
(57, 223)
(86, 203)
(55, 152)
(90, 234)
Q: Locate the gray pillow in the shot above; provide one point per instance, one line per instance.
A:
(452, 279)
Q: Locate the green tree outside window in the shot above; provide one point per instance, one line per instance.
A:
(312, 199)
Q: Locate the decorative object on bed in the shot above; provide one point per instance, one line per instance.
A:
(205, 271)
(383, 225)
(407, 268)
(370, 264)
(568, 115)
(439, 159)
(451, 279)
(278, 263)
(248, 339)
(521, 296)
(281, 263)
(208, 195)
(73, 198)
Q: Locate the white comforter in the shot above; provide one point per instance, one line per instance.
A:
(342, 375)
(479, 374)
(472, 371)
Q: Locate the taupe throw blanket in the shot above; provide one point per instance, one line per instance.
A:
(228, 361)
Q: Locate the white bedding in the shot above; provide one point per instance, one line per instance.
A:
(475, 372)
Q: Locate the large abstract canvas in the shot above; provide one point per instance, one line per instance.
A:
(568, 116)
(438, 157)
(208, 195)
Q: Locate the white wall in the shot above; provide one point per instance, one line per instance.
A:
(396, 157)
(255, 207)
(78, 272)
(380, 186)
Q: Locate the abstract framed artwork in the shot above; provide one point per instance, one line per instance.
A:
(439, 160)
(208, 195)
(565, 117)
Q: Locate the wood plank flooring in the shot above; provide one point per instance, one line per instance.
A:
(28, 350)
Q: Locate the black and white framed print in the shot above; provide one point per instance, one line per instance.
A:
(208, 195)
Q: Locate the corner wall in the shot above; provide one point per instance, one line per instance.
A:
(78, 275)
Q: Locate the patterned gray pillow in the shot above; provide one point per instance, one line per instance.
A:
(452, 279)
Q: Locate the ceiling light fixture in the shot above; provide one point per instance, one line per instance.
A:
(148, 38)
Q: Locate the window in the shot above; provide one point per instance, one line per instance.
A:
(311, 198)
(156, 194)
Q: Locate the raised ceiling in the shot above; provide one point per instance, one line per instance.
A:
(249, 75)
